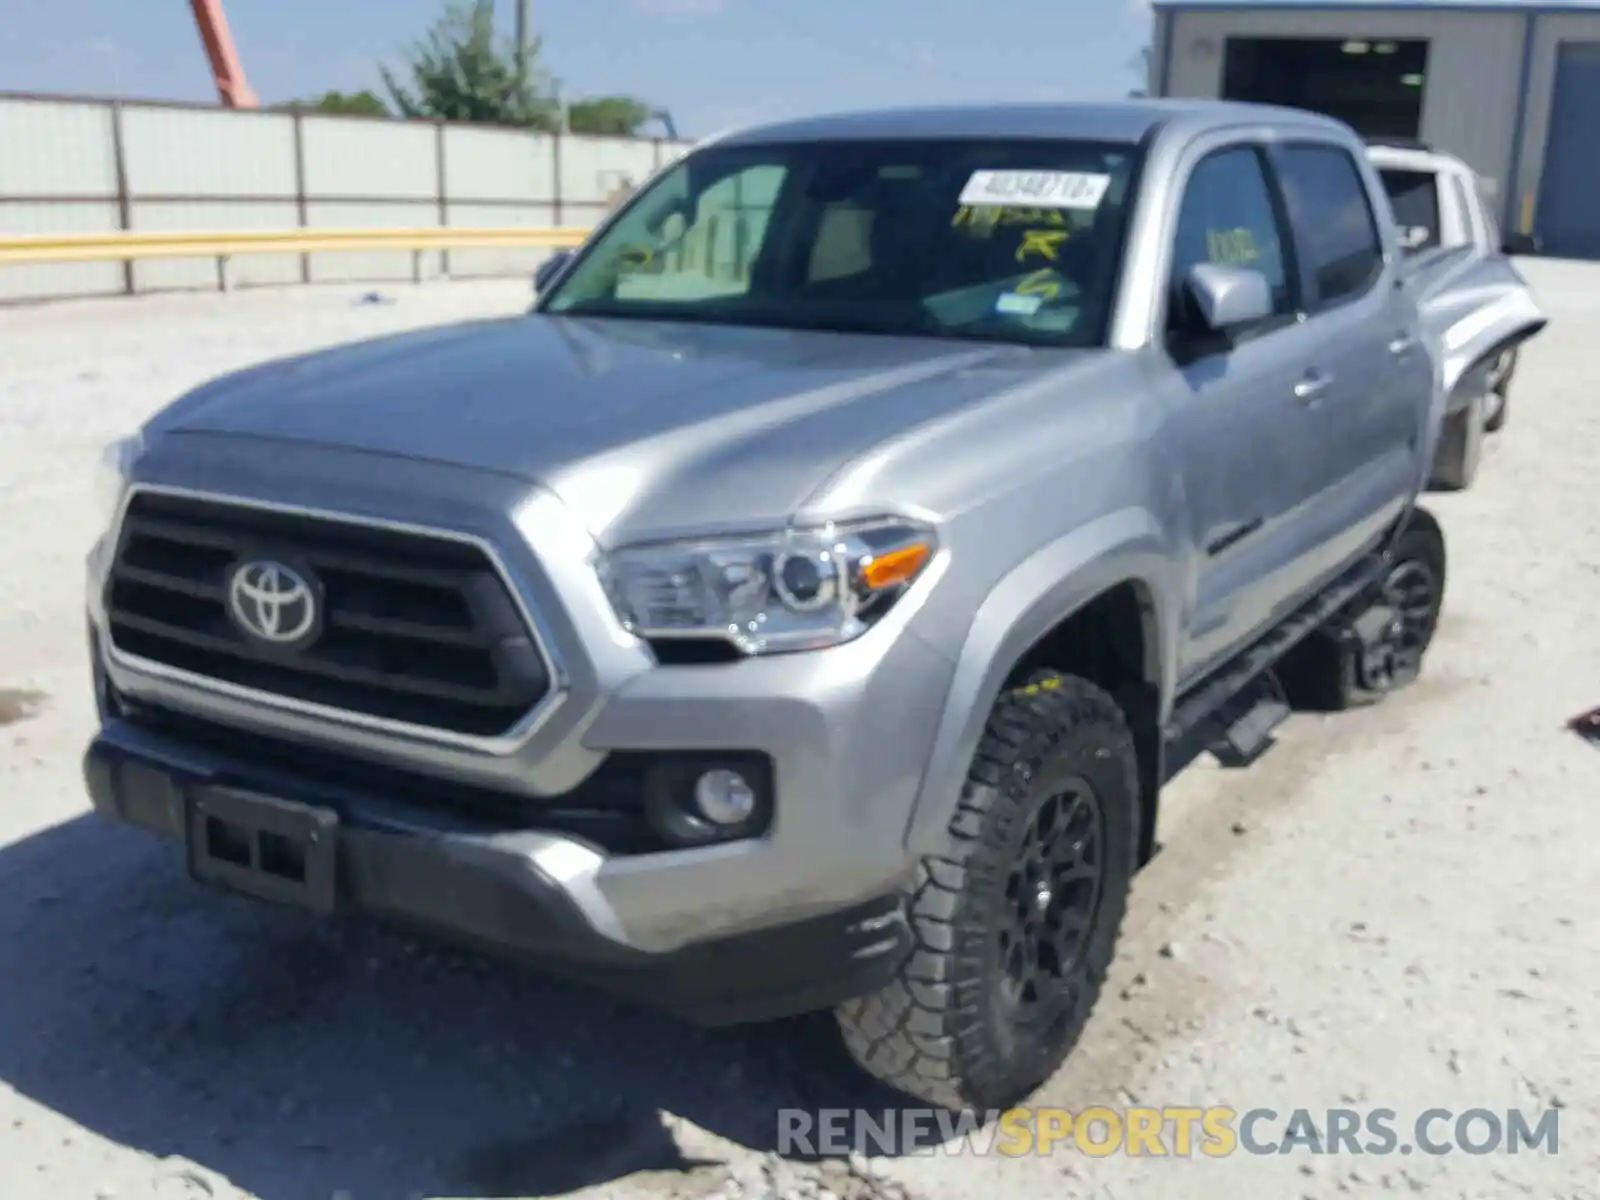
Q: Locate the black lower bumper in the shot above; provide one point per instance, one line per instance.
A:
(476, 883)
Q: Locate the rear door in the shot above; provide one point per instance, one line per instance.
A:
(1367, 355)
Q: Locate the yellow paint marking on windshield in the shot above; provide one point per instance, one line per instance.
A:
(983, 219)
(987, 216)
(1231, 247)
(1033, 216)
(1044, 242)
(1045, 284)
(634, 258)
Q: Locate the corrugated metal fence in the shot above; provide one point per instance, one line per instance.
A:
(90, 165)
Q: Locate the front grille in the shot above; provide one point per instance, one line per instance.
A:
(415, 628)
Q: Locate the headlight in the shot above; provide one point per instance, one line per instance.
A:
(798, 590)
(111, 476)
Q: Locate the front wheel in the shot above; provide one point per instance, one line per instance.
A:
(1016, 921)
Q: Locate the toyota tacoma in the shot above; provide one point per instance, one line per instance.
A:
(804, 604)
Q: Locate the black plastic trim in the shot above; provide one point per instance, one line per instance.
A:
(468, 880)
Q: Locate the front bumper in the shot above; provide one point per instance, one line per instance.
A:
(515, 892)
(847, 731)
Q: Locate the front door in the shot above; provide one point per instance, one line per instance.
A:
(1246, 446)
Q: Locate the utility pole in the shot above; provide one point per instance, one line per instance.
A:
(563, 125)
(524, 40)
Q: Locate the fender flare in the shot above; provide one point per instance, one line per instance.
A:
(1511, 320)
(1048, 587)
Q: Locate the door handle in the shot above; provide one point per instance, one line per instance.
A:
(1402, 345)
(1310, 390)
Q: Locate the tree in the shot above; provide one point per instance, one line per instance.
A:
(462, 72)
(616, 115)
(354, 104)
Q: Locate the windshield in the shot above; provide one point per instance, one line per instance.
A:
(1016, 241)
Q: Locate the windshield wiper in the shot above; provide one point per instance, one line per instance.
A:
(809, 322)
(767, 318)
(836, 324)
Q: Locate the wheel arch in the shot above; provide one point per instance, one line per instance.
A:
(1114, 578)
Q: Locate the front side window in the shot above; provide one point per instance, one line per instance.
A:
(1414, 197)
(1228, 216)
(1343, 248)
(1017, 241)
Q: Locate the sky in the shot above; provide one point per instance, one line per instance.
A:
(711, 63)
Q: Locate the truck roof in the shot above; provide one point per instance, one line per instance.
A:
(1530, 7)
(1118, 121)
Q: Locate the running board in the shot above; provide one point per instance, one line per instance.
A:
(1200, 713)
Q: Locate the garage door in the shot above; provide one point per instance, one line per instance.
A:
(1569, 218)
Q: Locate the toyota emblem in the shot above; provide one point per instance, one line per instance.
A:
(273, 603)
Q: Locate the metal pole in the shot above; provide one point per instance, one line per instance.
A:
(560, 102)
(119, 160)
(300, 206)
(524, 40)
(441, 187)
(555, 177)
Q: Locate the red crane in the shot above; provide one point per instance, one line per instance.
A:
(233, 89)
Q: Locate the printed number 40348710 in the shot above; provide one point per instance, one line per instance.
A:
(1041, 189)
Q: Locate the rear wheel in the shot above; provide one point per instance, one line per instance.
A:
(1500, 376)
(1016, 921)
(1325, 674)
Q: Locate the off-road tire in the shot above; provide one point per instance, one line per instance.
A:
(1460, 449)
(1499, 405)
(940, 1032)
(1318, 676)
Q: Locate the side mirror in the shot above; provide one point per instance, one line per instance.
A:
(1226, 298)
(544, 274)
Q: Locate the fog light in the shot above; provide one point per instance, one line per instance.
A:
(698, 798)
(724, 797)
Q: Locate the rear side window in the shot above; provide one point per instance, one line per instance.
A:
(1228, 216)
(1345, 255)
(1414, 196)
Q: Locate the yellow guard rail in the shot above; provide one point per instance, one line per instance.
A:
(125, 247)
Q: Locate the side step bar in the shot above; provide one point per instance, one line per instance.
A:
(1239, 706)
(1247, 736)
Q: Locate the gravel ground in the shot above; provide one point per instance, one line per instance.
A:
(1395, 909)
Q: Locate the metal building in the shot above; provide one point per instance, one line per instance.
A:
(1512, 88)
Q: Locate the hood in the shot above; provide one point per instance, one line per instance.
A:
(643, 428)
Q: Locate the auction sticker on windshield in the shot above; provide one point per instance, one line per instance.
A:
(1041, 189)
(1015, 304)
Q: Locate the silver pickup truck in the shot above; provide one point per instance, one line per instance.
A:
(804, 605)
(1476, 305)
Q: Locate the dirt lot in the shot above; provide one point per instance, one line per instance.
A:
(1396, 909)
